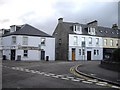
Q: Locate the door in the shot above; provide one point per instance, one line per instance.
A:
(12, 54)
(42, 55)
(88, 55)
(73, 54)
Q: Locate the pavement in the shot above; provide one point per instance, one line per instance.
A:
(93, 69)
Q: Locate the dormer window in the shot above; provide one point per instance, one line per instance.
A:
(91, 30)
(77, 29)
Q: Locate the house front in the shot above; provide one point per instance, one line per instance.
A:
(75, 41)
(27, 43)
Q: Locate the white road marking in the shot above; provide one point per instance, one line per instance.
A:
(21, 69)
(13, 68)
(17, 68)
(81, 79)
(69, 77)
(55, 76)
(46, 74)
(60, 75)
(92, 80)
(76, 80)
(51, 74)
(32, 71)
(115, 87)
(27, 70)
(102, 82)
(87, 82)
(64, 78)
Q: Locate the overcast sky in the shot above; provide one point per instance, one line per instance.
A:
(43, 14)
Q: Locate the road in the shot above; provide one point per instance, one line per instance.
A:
(17, 74)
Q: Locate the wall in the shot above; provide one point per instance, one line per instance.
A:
(88, 47)
(49, 47)
(108, 42)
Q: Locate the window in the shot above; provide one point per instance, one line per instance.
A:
(97, 41)
(111, 42)
(60, 41)
(83, 39)
(25, 54)
(83, 42)
(94, 52)
(105, 42)
(90, 40)
(25, 40)
(116, 42)
(97, 52)
(75, 40)
(75, 27)
(79, 51)
(42, 41)
(83, 52)
(14, 40)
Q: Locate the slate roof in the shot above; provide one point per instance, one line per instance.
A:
(100, 31)
(28, 30)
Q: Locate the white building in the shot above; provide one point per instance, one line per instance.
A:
(28, 43)
(83, 47)
(75, 41)
(0, 44)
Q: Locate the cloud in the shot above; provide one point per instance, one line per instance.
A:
(43, 14)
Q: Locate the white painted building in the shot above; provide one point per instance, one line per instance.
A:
(83, 47)
(28, 43)
(0, 44)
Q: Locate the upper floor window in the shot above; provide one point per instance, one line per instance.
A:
(116, 42)
(42, 41)
(77, 29)
(105, 42)
(14, 40)
(75, 40)
(111, 42)
(97, 41)
(25, 40)
(83, 42)
(91, 30)
(90, 40)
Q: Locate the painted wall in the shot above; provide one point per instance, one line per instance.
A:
(108, 42)
(49, 47)
(88, 47)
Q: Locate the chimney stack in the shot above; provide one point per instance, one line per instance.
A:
(93, 23)
(60, 20)
(115, 26)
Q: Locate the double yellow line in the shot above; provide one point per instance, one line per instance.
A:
(72, 70)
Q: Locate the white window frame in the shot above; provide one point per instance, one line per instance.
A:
(90, 40)
(25, 53)
(80, 53)
(111, 42)
(75, 40)
(43, 41)
(14, 40)
(97, 41)
(105, 42)
(25, 40)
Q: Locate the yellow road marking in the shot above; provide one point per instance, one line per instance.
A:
(72, 70)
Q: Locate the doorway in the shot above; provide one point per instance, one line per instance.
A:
(13, 52)
(73, 54)
(88, 55)
(42, 55)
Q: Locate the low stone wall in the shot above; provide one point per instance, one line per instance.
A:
(115, 66)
